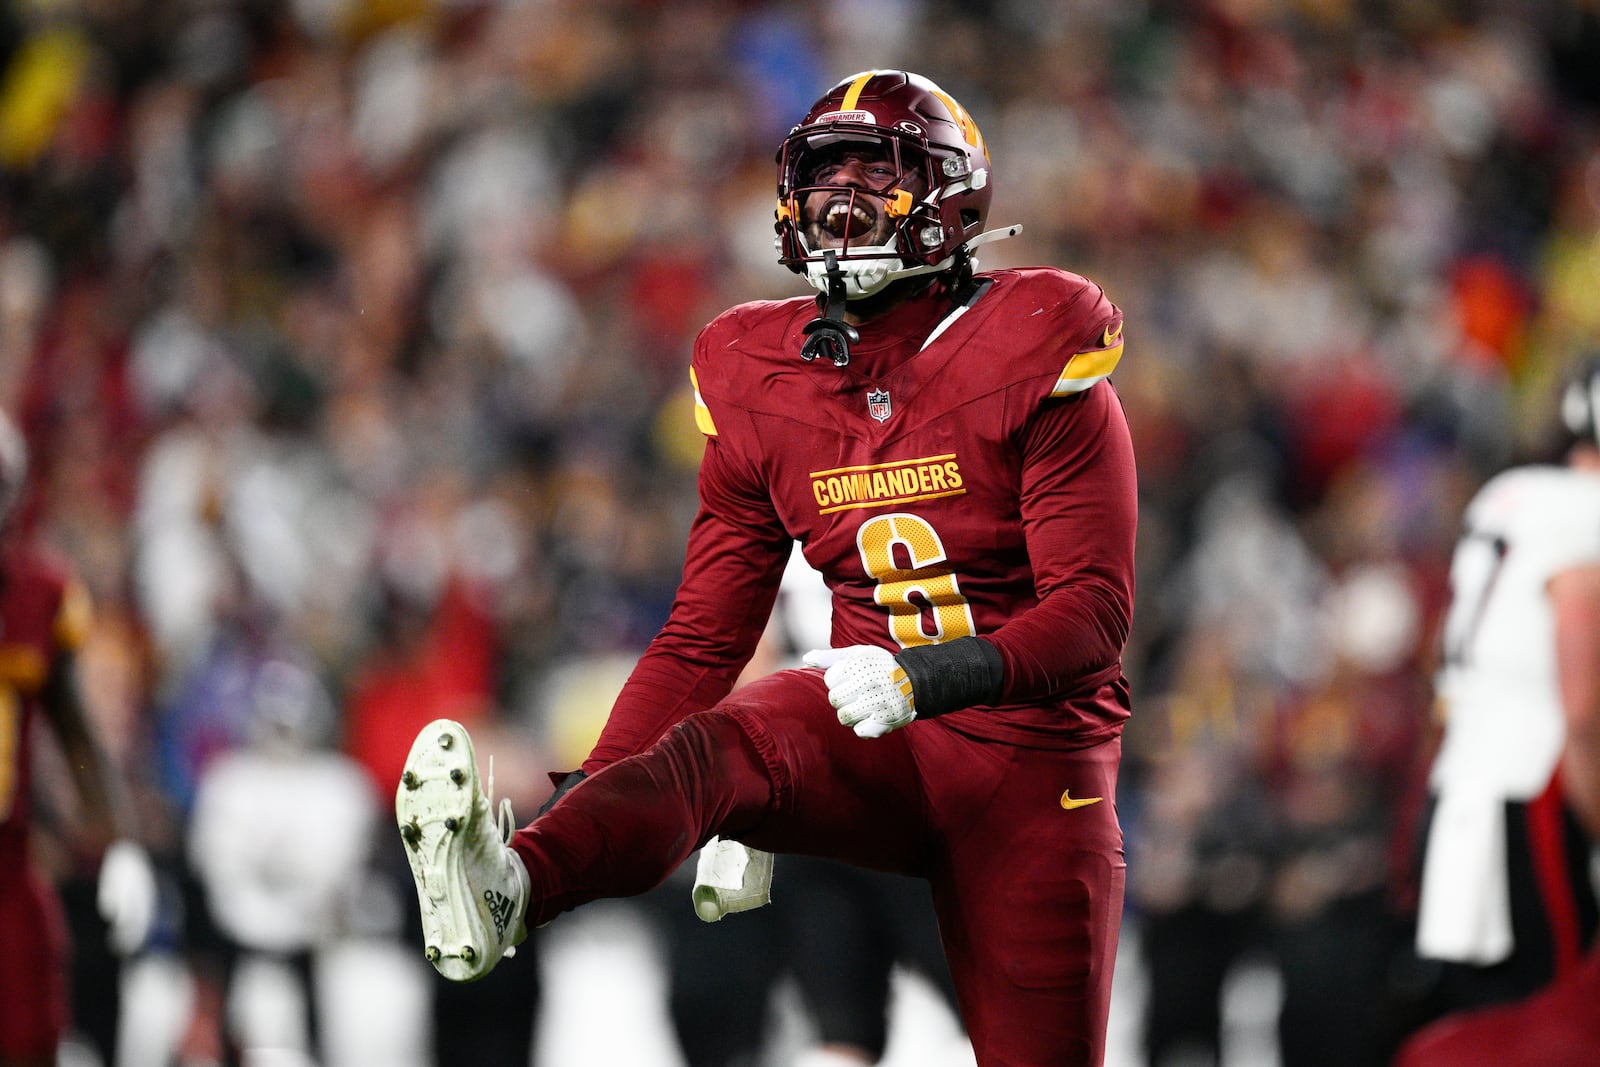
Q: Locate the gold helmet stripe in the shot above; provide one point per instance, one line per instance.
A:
(969, 128)
(852, 95)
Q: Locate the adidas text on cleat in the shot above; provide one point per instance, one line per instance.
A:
(473, 889)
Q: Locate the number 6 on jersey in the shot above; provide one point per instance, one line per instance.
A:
(923, 595)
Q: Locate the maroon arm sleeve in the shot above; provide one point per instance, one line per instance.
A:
(736, 555)
(1079, 513)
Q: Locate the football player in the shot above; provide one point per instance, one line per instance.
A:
(44, 616)
(1507, 904)
(947, 449)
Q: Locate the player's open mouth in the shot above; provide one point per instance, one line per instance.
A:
(846, 219)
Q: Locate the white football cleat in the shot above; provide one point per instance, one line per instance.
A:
(472, 887)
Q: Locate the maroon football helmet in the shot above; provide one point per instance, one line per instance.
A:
(927, 198)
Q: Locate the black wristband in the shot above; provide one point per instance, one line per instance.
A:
(571, 779)
(957, 674)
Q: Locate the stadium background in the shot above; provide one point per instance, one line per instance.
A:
(352, 334)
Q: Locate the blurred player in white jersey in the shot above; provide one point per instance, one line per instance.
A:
(1508, 904)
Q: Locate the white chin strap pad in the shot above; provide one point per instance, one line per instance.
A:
(863, 277)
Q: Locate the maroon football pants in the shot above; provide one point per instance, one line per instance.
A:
(34, 970)
(1028, 890)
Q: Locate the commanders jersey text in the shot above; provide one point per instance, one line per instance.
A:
(876, 484)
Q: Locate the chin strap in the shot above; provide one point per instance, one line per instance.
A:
(994, 235)
(830, 335)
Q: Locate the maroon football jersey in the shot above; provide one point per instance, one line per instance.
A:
(43, 613)
(968, 473)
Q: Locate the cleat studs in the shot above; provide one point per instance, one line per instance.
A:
(432, 953)
(411, 832)
(457, 777)
(409, 780)
(445, 740)
(451, 824)
(469, 953)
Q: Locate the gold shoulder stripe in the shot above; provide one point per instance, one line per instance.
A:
(702, 414)
(1086, 368)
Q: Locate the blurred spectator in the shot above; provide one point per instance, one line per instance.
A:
(280, 831)
(1342, 778)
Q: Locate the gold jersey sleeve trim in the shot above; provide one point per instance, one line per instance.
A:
(1086, 368)
(702, 414)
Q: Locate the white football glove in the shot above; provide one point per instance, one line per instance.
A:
(866, 685)
(126, 895)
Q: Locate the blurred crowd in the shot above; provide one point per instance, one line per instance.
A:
(350, 338)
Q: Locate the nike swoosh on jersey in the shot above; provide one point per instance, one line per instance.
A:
(1068, 802)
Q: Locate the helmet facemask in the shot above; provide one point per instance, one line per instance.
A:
(853, 191)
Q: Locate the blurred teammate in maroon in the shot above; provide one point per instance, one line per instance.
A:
(945, 446)
(44, 616)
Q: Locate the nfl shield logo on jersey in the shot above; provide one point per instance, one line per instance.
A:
(878, 404)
